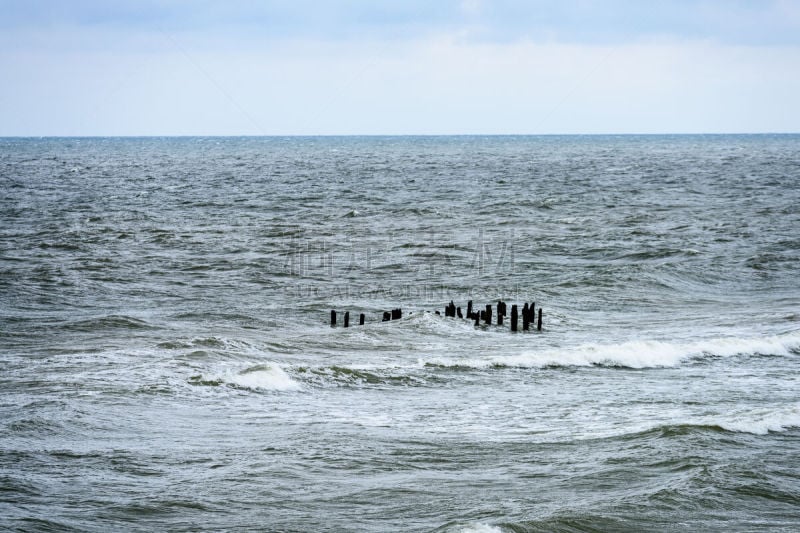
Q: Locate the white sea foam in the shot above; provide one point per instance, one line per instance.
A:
(760, 421)
(479, 528)
(264, 376)
(636, 354)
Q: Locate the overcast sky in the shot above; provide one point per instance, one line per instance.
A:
(298, 67)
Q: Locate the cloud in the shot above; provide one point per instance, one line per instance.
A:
(438, 86)
(752, 22)
(468, 66)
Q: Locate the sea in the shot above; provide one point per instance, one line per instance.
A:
(168, 363)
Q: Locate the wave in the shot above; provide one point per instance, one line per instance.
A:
(265, 376)
(477, 528)
(370, 375)
(634, 354)
(760, 421)
(755, 421)
(108, 322)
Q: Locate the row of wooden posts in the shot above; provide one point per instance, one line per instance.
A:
(529, 315)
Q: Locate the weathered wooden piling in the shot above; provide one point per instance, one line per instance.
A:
(469, 309)
(477, 317)
(539, 322)
(499, 313)
(347, 319)
(514, 317)
(526, 317)
(333, 317)
(458, 312)
(386, 316)
(361, 318)
(489, 314)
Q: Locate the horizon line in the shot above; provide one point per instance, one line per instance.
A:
(342, 135)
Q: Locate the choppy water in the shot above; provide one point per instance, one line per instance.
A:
(166, 360)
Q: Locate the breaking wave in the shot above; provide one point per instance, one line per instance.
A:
(634, 354)
(268, 376)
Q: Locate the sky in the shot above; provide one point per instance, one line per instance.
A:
(426, 67)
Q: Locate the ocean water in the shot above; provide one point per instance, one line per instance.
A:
(167, 362)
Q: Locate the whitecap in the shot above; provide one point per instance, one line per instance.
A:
(760, 421)
(479, 528)
(635, 353)
(265, 376)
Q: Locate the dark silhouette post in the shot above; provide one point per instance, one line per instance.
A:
(539, 322)
(514, 317)
(347, 319)
(361, 319)
(333, 317)
(526, 317)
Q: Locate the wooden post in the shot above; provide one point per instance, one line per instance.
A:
(499, 313)
(514, 317)
(386, 316)
(347, 319)
(526, 317)
(489, 314)
(458, 312)
(539, 323)
(333, 317)
(469, 309)
(361, 319)
(477, 318)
